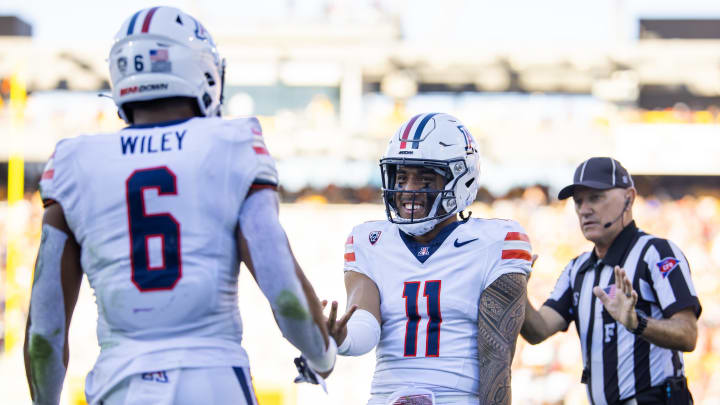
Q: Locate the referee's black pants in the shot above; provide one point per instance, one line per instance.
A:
(679, 395)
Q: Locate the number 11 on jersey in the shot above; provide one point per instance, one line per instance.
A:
(432, 296)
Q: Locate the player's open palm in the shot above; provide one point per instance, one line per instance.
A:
(619, 299)
(337, 328)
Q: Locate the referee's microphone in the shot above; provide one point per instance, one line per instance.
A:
(608, 224)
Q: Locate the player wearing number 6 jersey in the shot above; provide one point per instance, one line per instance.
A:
(158, 216)
(441, 298)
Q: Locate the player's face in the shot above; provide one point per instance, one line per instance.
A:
(416, 205)
(595, 208)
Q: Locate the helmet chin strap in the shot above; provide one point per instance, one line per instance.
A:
(421, 228)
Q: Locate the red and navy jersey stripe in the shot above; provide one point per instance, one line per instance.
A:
(260, 184)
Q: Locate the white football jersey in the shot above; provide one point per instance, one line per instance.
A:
(155, 210)
(429, 298)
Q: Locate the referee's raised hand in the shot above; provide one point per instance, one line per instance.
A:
(620, 302)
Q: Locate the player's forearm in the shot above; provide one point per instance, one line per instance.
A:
(502, 310)
(46, 368)
(45, 342)
(676, 334)
(268, 253)
(26, 359)
(494, 364)
(313, 302)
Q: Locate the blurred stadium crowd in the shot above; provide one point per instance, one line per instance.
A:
(331, 178)
(544, 374)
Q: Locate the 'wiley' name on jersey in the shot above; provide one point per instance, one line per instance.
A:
(165, 142)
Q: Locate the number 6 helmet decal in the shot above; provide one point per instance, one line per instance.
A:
(162, 52)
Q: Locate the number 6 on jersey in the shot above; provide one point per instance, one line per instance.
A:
(432, 295)
(145, 227)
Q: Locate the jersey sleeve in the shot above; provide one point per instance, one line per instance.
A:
(513, 253)
(354, 257)
(266, 175)
(670, 274)
(561, 297)
(57, 182)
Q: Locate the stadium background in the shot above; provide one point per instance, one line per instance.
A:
(541, 87)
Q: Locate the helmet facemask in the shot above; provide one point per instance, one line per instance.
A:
(439, 203)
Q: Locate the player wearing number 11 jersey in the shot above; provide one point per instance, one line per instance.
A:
(441, 298)
(158, 216)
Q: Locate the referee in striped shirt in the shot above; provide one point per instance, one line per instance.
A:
(632, 298)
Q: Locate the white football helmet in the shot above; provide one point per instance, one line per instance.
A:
(439, 142)
(161, 52)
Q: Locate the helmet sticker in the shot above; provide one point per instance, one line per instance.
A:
(159, 61)
(200, 32)
(122, 64)
(469, 149)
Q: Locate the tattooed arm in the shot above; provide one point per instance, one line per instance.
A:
(501, 314)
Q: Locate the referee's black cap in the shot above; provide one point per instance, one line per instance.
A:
(601, 173)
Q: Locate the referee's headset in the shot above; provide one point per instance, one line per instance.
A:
(625, 207)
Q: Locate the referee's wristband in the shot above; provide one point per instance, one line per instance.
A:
(642, 324)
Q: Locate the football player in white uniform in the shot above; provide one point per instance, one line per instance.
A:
(158, 216)
(441, 298)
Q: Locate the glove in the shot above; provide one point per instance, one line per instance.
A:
(307, 374)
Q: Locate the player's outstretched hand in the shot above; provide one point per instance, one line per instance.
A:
(338, 328)
(619, 299)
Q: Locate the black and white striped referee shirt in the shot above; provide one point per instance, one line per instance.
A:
(620, 363)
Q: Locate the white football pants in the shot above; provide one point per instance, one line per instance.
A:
(185, 386)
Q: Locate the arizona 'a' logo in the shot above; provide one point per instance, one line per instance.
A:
(667, 265)
(374, 236)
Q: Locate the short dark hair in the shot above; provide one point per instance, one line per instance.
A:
(129, 108)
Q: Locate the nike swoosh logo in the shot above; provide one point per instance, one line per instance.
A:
(446, 144)
(459, 244)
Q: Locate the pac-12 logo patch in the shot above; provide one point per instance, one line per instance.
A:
(424, 251)
(374, 236)
(667, 265)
